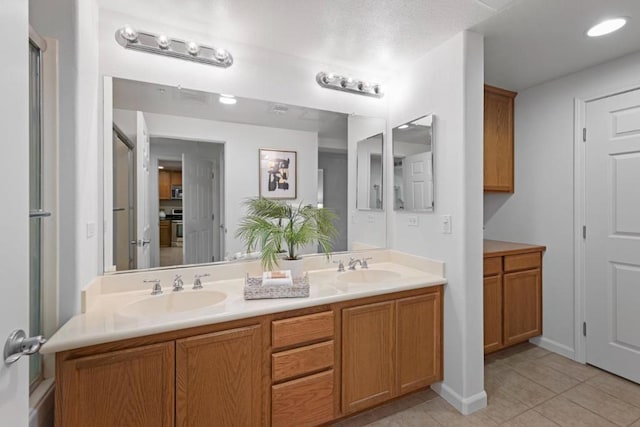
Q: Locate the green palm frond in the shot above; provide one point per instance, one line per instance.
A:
(273, 225)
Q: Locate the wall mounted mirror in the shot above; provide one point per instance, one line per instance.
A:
(369, 187)
(413, 189)
(179, 164)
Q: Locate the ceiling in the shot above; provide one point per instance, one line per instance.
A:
(159, 99)
(539, 40)
(527, 42)
(379, 35)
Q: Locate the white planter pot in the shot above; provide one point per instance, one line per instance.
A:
(295, 265)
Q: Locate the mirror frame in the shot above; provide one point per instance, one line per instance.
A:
(433, 166)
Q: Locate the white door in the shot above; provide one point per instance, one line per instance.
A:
(612, 251)
(14, 227)
(143, 226)
(417, 181)
(197, 199)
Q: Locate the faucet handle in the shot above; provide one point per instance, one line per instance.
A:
(157, 289)
(340, 265)
(178, 284)
(197, 283)
(363, 263)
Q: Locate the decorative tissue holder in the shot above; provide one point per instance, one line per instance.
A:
(253, 288)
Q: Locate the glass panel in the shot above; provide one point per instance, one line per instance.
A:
(35, 203)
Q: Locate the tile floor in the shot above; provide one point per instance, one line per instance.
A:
(171, 256)
(527, 386)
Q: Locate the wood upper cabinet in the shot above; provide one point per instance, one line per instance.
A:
(498, 140)
(419, 342)
(368, 351)
(164, 185)
(133, 387)
(219, 377)
(176, 177)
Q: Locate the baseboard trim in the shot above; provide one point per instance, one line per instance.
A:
(41, 405)
(554, 346)
(465, 406)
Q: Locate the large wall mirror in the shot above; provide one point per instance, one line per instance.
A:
(180, 163)
(413, 146)
(369, 173)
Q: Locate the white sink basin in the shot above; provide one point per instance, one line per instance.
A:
(173, 302)
(368, 276)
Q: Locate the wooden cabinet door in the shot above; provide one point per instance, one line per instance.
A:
(123, 388)
(522, 296)
(176, 177)
(418, 341)
(164, 185)
(368, 349)
(498, 139)
(219, 378)
(165, 234)
(492, 313)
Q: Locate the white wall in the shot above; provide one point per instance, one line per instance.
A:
(448, 82)
(242, 143)
(541, 209)
(74, 23)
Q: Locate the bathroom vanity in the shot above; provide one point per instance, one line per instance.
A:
(362, 338)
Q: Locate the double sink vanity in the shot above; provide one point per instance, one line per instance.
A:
(189, 357)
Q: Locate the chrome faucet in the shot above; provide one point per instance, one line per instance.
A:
(353, 262)
(340, 265)
(178, 284)
(157, 289)
(197, 283)
(363, 263)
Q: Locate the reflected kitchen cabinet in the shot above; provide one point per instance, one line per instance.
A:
(164, 185)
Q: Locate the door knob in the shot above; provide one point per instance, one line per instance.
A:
(19, 345)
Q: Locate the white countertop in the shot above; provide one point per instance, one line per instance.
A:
(105, 321)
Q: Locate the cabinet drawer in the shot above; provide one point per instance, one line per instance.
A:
(303, 402)
(302, 329)
(492, 266)
(522, 261)
(300, 361)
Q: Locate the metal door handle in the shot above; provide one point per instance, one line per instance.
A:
(19, 345)
(119, 209)
(140, 243)
(39, 213)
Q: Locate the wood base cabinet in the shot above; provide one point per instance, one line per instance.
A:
(512, 299)
(390, 348)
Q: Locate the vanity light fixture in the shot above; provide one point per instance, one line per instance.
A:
(606, 27)
(227, 99)
(161, 44)
(349, 84)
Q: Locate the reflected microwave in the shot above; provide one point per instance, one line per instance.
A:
(176, 192)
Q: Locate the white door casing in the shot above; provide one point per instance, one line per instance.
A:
(612, 247)
(197, 184)
(14, 227)
(143, 226)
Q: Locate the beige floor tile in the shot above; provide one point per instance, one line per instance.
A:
(546, 376)
(624, 390)
(416, 416)
(636, 424)
(566, 413)
(527, 354)
(513, 384)
(447, 415)
(530, 418)
(502, 406)
(569, 367)
(603, 404)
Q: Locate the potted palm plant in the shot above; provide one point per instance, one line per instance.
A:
(280, 230)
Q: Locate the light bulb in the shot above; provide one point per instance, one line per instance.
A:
(193, 48)
(129, 34)
(606, 27)
(163, 42)
(221, 54)
(403, 126)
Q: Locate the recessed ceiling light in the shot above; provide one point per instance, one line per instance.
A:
(227, 99)
(606, 27)
(403, 126)
(160, 167)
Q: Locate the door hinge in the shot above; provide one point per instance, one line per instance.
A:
(213, 175)
(584, 134)
(213, 217)
(584, 329)
(584, 231)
